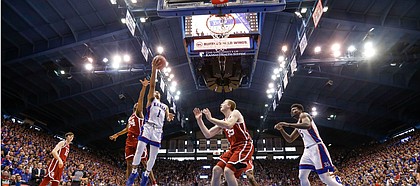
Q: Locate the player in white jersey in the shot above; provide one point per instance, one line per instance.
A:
(151, 131)
(315, 155)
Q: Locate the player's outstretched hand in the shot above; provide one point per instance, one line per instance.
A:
(144, 82)
(207, 112)
(197, 113)
(113, 137)
(171, 116)
(278, 127)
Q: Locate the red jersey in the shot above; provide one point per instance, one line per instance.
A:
(238, 134)
(64, 152)
(134, 124)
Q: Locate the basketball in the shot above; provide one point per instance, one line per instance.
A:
(161, 62)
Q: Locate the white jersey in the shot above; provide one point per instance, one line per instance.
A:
(156, 113)
(310, 136)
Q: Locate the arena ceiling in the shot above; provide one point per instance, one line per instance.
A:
(369, 99)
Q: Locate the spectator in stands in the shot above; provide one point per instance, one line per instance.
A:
(37, 174)
(26, 176)
(18, 170)
(6, 161)
(5, 177)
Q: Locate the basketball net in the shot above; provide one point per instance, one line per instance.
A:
(220, 27)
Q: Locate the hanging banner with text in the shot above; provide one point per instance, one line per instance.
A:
(131, 24)
(144, 50)
(317, 13)
(293, 65)
(303, 43)
(285, 80)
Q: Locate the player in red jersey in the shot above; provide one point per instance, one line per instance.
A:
(135, 122)
(234, 161)
(249, 171)
(56, 166)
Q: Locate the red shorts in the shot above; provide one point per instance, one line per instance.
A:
(54, 172)
(237, 154)
(131, 146)
(249, 167)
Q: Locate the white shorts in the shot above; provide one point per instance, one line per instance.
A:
(316, 158)
(151, 134)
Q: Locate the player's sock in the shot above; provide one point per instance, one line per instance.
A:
(134, 171)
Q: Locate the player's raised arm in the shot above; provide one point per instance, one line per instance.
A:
(150, 95)
(206, 132)
(139, 105)
(169, 116)
(115, 136)
(305, 122)
(223, 124)
(289, 138)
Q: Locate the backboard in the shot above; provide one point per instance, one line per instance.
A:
(177, 8)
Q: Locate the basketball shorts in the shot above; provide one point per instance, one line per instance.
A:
(316, 158)
(237, 154)
(54, 172)
(131, 146)
(151, 134)
(249, 167)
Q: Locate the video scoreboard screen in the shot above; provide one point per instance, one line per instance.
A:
(197, 25)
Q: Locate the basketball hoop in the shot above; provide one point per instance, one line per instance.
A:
(220, 27)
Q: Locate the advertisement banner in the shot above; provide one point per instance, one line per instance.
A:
(228, 43)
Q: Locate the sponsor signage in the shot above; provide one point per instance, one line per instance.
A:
(228, 43)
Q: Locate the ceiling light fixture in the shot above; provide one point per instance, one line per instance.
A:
(143, 19)
(160, 49)
(317, 49)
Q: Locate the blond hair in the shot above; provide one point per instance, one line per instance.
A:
(232, 104)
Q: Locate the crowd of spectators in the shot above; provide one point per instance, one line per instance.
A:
(24, 150)
(395, 162)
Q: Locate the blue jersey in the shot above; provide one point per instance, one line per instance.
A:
(156, 113)
(310, 136)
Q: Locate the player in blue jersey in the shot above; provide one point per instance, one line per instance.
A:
(151, 131)
(315, 155)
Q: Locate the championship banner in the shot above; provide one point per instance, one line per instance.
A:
(162, 84)
(303, 43)
(317, 13)
(285, 80)
(228, 43)
(144, 50)
(293, 65)
(129, 21)
(280, 93)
